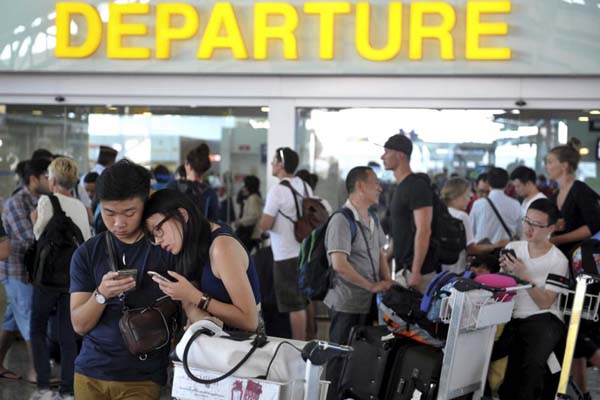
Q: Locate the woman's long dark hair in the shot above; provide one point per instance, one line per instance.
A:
(196, 231)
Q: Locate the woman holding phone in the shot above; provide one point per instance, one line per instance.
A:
(214, 273)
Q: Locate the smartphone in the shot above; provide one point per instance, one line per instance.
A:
(159, 276)
(126, 273)
(506, 252)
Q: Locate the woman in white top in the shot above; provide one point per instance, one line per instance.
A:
(537, 326)
(456, 194)
(62, 177)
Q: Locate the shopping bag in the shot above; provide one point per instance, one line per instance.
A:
(210, 348)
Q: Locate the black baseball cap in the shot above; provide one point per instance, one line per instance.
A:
(399, 142)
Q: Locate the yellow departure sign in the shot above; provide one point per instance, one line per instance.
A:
(276, 23)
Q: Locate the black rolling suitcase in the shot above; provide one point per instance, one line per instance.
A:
(366, 369)
(415, 372)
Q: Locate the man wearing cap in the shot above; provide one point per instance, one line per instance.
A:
(106, 158)
(411, 215)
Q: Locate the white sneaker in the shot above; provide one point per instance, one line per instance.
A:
(42, 394)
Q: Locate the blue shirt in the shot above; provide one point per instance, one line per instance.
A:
(214, 286)
(103, 353)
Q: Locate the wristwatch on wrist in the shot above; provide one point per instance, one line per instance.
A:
(100, 298)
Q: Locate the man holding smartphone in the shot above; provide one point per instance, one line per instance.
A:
(537, 327)
(104, 368)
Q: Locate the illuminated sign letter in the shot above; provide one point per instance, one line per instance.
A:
(285, 32)
(327, 12)
(363, 32)
(223, 16)
(475, 28)
(165, 33)
(418, 31)
(63, 47)
(116, 30)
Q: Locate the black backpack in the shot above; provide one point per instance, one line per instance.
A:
(448, 235)
(48, 259)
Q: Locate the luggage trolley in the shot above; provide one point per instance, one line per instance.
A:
(472, 316)
(579, 305)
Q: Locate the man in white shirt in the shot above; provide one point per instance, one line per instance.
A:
(278, 218)
(487, 226)
(523, 179)
(537, 327)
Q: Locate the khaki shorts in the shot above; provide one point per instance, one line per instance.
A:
(96, 389)
(285, 281)
(403, 275)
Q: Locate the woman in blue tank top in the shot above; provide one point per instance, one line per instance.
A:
(214, 274)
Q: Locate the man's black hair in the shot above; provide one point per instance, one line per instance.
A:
(252, 184)
(20, 170)
(91, 177)
(161, 173)
(491, 262)
(547, 207)
(524, 174)
(481, 177)
(180, 171)
(35, 167)
(356, 174)
(42, 153)
(497, 178)
(288, 157)
(123, 181)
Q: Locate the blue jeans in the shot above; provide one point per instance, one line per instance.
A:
(18, 307)
(44, 302)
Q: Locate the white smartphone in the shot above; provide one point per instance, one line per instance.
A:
(159, 276)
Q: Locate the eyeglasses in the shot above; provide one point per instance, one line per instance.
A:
(533, 224)
(157, 232)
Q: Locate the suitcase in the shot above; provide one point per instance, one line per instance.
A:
(415, 372)
(367, 368)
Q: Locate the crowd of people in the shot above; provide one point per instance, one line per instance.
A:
(202, 256)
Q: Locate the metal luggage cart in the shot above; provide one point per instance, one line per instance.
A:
(579, 305)
(472, 317)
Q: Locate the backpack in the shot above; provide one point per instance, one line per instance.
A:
(48, 259)
(448, 235)
(314, 213)
(438, 288)
(314, 273)
(401, 311)
(199, 193)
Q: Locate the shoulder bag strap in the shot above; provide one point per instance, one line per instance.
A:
(362, 231)
(499, 218)
(259, 341)
(56, 208)
(294, 193)
(110, 251)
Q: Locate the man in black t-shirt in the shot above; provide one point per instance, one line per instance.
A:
(411, 212)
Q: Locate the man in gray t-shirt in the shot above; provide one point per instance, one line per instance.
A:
(361, 268)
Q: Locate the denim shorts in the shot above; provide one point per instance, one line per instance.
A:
(18, 307)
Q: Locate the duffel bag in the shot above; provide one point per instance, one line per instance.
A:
(206, 346)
